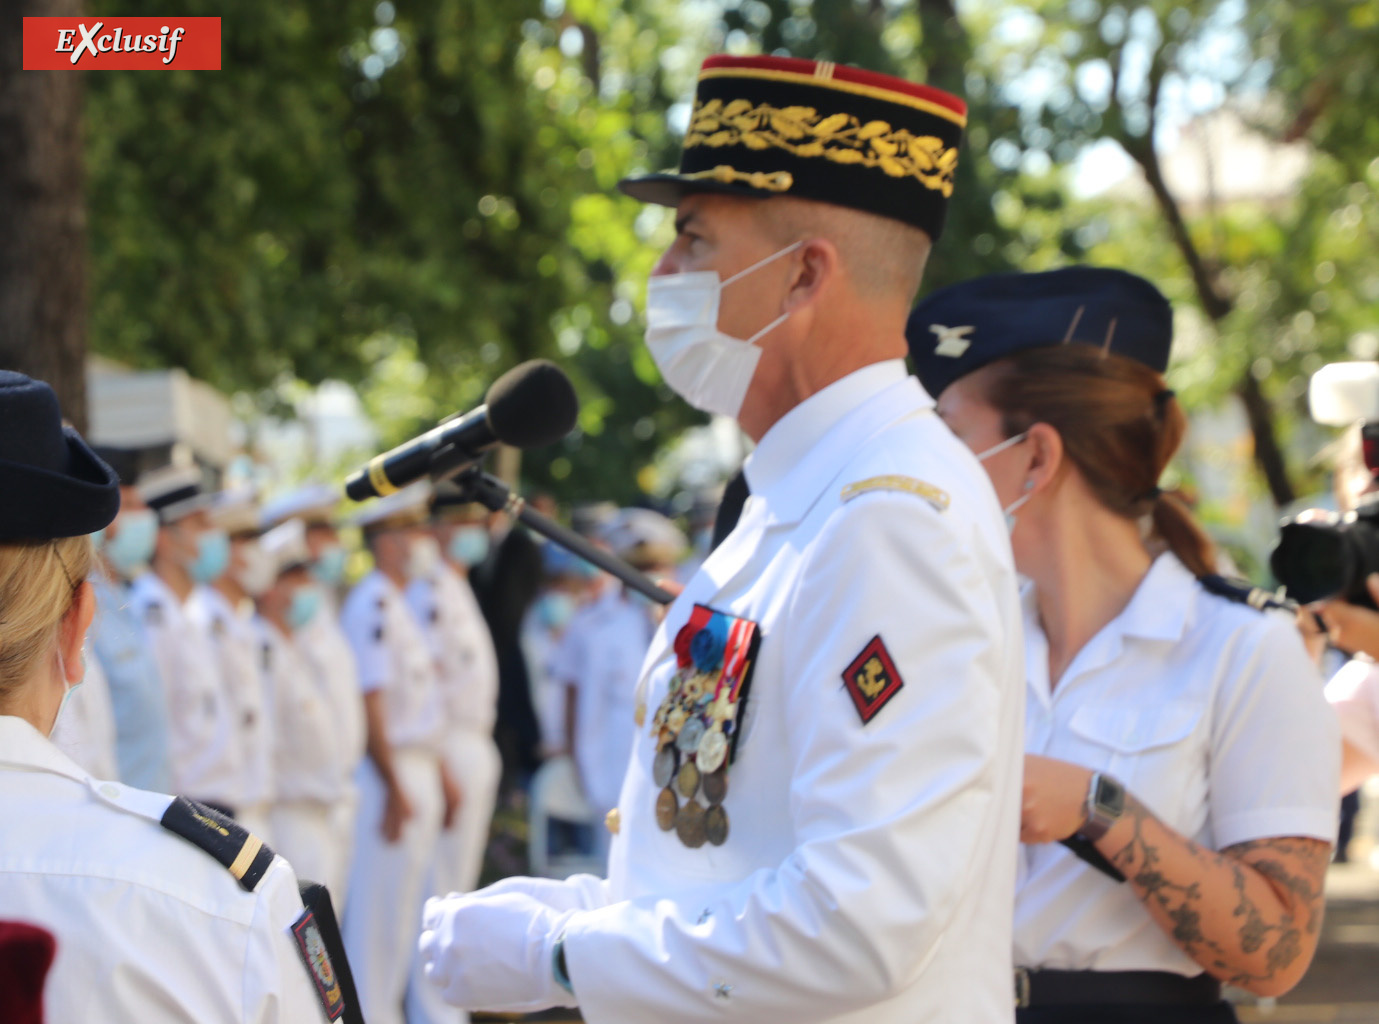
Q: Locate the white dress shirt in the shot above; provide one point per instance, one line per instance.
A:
(150, 929)
(204, 742)
(330, 659)
(1212, 715)
(392, 655)
(462, 646)
(869, 871)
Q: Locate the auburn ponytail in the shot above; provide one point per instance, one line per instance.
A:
(1120, 426)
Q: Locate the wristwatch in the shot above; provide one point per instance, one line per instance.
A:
(1105, 805)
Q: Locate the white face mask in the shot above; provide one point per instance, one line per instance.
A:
(707, 368)
(423, 555)
(1019, 502)
(69, 688)
(257, 570)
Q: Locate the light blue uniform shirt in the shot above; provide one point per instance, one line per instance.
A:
(136, 692)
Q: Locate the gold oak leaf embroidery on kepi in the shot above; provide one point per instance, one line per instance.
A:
(841, 138)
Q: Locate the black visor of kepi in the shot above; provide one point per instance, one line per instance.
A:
(965, 326)
(781, 126)
(54, 484)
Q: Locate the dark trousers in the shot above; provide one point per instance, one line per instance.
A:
(1218, 1013)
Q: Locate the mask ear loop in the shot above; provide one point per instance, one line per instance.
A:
(762, 262)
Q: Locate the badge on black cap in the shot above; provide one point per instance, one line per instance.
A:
(966, 326)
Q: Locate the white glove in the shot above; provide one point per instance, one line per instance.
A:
(578, 892)
(493, 952)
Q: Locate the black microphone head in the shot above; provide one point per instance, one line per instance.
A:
(532, 405)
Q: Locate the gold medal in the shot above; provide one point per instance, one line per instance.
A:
(716, 786)
(689, 825)
(612, 821)
(712, 750)
(687, 781)
(716, 825)
(675, 721)
(666, 810)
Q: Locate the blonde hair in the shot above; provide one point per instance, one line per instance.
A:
(38, 580)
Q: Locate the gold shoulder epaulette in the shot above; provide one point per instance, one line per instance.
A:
(935, 496)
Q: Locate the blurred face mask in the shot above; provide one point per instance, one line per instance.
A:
(257, 570)
(469, 545)
(422, 556)
(68, 688)
(554, 609)
(329, 568)
(1019, 502)
(131, 548)
(306, 601)
(212, 556)
(707, 368)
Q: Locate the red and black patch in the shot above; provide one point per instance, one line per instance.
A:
(312, 948)
(872, 679)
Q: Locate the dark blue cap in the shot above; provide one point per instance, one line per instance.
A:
(963, 327)
(54, 485)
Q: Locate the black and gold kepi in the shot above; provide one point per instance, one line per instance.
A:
(780, 126)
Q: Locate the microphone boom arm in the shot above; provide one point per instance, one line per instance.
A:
(496, 496)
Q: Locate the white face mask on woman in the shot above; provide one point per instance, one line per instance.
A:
(69, 688)
(707, 368)
(1019, 502)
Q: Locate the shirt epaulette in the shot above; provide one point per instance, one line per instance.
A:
(935, 496)
(1245, 592)
(244, 854)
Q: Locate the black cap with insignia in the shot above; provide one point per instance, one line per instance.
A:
(966, 326)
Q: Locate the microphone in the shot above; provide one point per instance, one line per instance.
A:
(531, 405)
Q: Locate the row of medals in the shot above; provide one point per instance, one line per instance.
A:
(692, 750)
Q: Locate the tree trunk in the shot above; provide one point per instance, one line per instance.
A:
(43, 213)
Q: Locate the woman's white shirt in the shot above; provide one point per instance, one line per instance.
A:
(1211, 714)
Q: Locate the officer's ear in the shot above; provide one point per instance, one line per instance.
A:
(813, 265)
(72, 630)
(1046, 455)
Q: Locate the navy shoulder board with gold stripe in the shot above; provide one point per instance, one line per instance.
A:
(244, 854)
(1244, 592)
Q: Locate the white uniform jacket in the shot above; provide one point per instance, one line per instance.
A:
(150, 929)
(462, 646)
(308, 759)
(85, 727)
(235, 639)
(869, 871)
(204, 739)
(331, 660)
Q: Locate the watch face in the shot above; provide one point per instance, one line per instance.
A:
(1110, 797)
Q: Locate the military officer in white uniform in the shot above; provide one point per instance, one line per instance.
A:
(162, 911)
(819, 819)
(204, 738)
(307, 754)
(405, 793)
(467, 671)
(224, 611)
(328, 654)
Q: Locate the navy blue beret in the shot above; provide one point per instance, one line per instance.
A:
(54, 484)
(963, 327)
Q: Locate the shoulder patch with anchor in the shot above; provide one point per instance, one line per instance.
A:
(935, 496)
(872, 679)
(312, 948)
(1245, 592)
(244, 854)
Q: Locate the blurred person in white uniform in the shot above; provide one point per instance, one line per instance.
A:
(207, 758)
(161, 910)
(467, 671)
(307, 754)
(569, 582)
(224, 610)
(601, 658)
(406, 795)
(117, 637)
(327, 651)
(1177, 743)
(842, 846)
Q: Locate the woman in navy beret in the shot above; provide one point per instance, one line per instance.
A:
(1180, 772)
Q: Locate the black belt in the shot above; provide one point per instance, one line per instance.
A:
(1034, 987)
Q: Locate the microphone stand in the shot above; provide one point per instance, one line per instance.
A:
(493, 494)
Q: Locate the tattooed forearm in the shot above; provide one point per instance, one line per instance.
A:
(1250, 914)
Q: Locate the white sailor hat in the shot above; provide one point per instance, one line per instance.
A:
(410, 506)
(315, 504)
(236, 511)
(174, 492)
(1344, 393)
(644, 537)
(285, 546)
